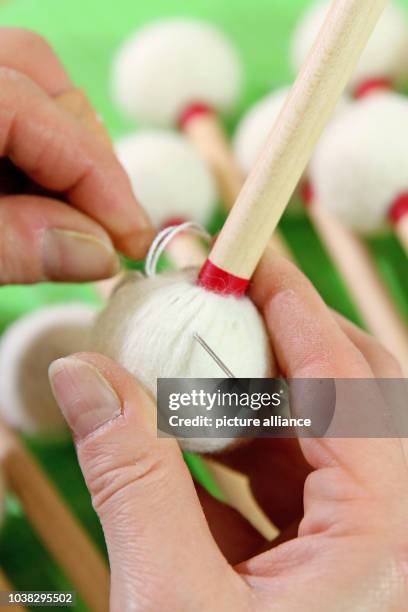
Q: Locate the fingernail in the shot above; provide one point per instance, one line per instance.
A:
(70, 255)
(85, 398)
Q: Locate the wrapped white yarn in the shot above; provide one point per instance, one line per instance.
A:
(149, 324)
(168, 177)
(169, 65)
(26, 350)
(386, 54)
(361, 163)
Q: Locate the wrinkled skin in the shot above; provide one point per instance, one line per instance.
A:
(341, 503)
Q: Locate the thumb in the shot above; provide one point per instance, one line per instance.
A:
(160, 549)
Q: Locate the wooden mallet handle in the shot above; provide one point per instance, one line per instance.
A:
(6, 587)
(209, 138)
(357, 269)
(399, 219)
(313, 98)
(61, 533)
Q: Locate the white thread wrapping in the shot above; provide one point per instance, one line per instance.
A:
(164, 238)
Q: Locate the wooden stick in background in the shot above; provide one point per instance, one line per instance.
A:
(310, 103)
(209, 138)
(356, 267)
(6, 587)
(186, 250)
(61, 533)
(400, 226)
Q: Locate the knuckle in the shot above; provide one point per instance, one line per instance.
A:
(392, 364)
(10, 75)
(25, 41)
(14, 87)
(15, 234)
(109, 479)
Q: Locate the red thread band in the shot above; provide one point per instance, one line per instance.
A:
(173, 221)
(215, 279)
(371, 85)
(399, 208)
(192, 111)
(307, 193)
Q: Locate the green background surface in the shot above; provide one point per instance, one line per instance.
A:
(86, 33)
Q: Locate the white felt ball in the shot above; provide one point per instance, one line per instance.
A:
(148, 328)
(385, 56)
(255, 126)
(361, 163)
(162, 69)
(168, 177)
(26, 350)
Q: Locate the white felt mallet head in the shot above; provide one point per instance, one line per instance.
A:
(152, 343)
(254, 127)
(359, 171)
(385, 57)
(164, 69)
(168, 177)
(27, 348)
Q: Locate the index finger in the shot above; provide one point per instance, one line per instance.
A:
(57, 153)
(87, 172)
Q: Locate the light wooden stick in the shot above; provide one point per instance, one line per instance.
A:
(6, 587)
(209, 138)
(401, 231)
(59, 530)
(371, 297)
(186, 250)
(313, 98)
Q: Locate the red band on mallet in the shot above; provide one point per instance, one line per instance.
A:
(370, 86)
(399, 208)
(173, 221)
(215, 279)
(191, 112)
(307, 193)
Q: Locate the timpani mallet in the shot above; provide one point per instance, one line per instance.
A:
(149, 324)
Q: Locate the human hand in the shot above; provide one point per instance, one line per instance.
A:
(341, 503)
(65, 201)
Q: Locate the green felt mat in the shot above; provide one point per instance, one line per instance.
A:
(85, 33)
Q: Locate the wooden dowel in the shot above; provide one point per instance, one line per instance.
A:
(308, 107)
(401, 231)
(61, 533)
(210, 140)
(237, 489)
(6, 587)
(354, 262)
(186, 250)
